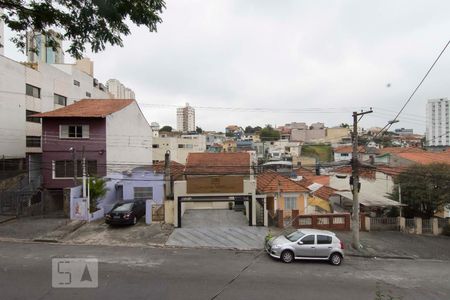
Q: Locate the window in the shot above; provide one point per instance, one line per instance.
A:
(308, 240)
(143, 193)
(33, 141)
(155, 146)
(32, 119)
(323, 239)
(32, 91)
(76, 82)
(290, 203)
(189, 146)
(88, 94)
(344, 154)
(64, 168)
(180, 146)
(74, 131)
(61, 100)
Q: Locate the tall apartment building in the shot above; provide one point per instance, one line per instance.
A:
(186, 118)
(118, 90)
(38, 51)
(438, 119)
(27, 89)
(2, 36)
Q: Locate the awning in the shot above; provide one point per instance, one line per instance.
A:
(371, 200)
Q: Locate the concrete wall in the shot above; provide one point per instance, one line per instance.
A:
(192, 144)
(128, 139)
(382, 185)
(12, 108)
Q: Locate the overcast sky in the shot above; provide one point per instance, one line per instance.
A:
(326, 58)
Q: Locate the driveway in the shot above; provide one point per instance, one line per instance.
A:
(141, 234)
(29, 228)
(217, 228)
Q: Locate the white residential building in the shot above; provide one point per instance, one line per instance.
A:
(2, 36)
(179, 147)
(118, 90)
(27, 89)
(186, 118)
(438, 122)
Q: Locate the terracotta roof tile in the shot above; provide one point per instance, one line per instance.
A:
(272, 182)
(325, 192)
(176, 169)
(364, 172)
(88, 108)
(401, 150)
(426, 158)
(230, 163)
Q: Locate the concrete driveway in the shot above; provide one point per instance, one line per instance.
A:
(217, 228)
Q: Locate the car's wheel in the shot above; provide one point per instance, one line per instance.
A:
(134, 221)
(287, 256)
(335, 259)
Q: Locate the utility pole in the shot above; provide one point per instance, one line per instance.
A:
(83, 165)
(355, 177)
(400, 199)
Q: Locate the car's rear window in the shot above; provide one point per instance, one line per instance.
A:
(324, 239)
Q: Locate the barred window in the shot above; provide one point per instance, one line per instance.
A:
(143, 193)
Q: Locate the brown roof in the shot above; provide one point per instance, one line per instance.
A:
(272, 182)
(230, 163)
(401, 150)
(311, 176)
(176, 169)
(427, 157)
(364, 172)
(391, 171)
(88, 108)
(325, 192)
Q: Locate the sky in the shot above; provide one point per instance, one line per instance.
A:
(259, 62)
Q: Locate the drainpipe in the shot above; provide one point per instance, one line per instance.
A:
(168, 185)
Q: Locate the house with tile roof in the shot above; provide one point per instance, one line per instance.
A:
(111, 134)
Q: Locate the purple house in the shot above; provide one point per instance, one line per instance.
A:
(112, 134)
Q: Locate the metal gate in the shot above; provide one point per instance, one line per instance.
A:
(427, 226)
(384, 223)
(259, 212)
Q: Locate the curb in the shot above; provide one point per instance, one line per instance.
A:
(381, 256)
(8, 219)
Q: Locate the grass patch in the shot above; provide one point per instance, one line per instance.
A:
(323, 152)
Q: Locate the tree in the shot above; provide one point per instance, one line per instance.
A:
(425, 189)
(166, 129)
(249, 129)
(269, 134)
(257, 129)
(198, 130)
(93, 22)
(97, 190)
(344, 125)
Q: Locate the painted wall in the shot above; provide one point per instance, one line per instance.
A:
(55, 148)
(192, 144)
(129, 139)
(382, 184)
(12, 108)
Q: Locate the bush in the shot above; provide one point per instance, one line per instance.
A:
(446, 230)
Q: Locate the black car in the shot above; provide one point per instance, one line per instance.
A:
(126, 213)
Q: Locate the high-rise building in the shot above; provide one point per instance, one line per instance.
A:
(38, 51)
(186, 118)
(438, 119)
(118, 90)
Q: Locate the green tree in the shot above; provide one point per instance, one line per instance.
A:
(166, 129)
(198, 130)
(97, 190)
(249, 129)
(425, 189)
(344, 125)
(269, 134)
(93, 22)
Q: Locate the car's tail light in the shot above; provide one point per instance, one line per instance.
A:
(342, 245)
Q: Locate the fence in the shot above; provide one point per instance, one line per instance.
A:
(21, 203)
(158, 212)
(384, 224)
(427, 226)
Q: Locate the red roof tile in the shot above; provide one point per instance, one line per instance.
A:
(426, 158)
(364, 172)
(230, 163)
(272, 182)
(176, 169)
(325, 192)
(401, 150)
(88, 108)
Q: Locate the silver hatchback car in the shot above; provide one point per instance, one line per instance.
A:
(307, 244)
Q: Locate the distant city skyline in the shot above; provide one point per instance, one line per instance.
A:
(265, 57)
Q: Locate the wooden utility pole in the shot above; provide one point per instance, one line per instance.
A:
(355, 180)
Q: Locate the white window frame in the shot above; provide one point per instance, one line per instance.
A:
(290, 198)
(142, 198)
(64, 131)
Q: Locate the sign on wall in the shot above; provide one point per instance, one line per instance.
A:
(215, 184)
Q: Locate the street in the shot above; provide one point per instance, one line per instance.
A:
(169, 273)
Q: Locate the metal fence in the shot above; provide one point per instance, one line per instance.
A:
(384, 223)
(427, 226)
(20, 203)
(443, 221)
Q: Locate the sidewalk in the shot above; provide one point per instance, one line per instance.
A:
(29, 228)
(393, 244)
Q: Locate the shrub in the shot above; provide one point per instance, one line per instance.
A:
(446, 230)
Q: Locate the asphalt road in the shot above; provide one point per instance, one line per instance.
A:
(145, 273)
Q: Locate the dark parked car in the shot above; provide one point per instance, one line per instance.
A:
(126, 213)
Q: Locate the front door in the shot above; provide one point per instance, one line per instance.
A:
(307, 248)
